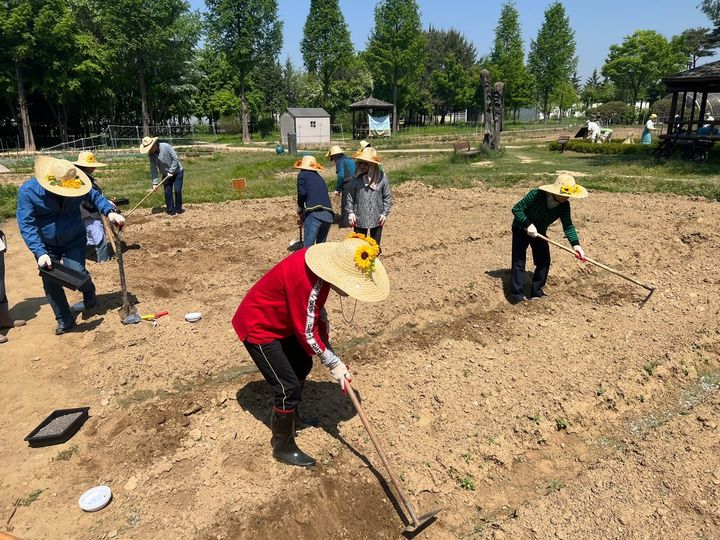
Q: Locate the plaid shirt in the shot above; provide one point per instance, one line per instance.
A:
(369, 204)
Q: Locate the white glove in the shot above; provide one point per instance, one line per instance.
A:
(352, 219)
(579, 253)
(45, 260)
(532, 231)
(337, 193)
(383, 217)
(117, 219)
(340, 373)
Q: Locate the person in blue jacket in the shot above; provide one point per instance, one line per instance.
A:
(48, 215)
(345, 169)
(314, 208)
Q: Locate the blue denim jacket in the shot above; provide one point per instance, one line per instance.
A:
(46, 219)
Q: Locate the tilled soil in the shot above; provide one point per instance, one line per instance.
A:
(582, 415)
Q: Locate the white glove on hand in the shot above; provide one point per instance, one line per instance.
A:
(44, 260)
(532, 231)
(352, 219)
(117, 219)
(340, 373)
(383, 217)
(579, 253)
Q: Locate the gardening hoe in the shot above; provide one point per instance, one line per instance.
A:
(128, 313)
(649, 287)
(297, 243)
(417, 522)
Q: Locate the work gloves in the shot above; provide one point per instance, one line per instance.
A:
(579, 253)
(44, 260)
(532, 231)
(352, 219)
(117, 219)
(341, 373)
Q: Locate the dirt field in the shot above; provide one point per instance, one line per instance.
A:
(578, 416)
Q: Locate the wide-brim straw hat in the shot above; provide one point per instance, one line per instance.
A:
(368, 154)
(147, 143)
(308, 163)
(334, 151)
(334, 262)
(565, 186)
(364, 144)
(653, 115)
(87, 159)
(61, 177)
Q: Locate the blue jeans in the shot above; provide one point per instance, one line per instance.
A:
(174, 183)
(102, 251)
(72, 258)
(315, 231)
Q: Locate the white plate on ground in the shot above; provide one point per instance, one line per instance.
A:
(193, 317)
(95, 498)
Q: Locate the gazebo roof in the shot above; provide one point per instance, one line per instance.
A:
(371, 103)
(704, 78)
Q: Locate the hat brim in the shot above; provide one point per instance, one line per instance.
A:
(553, 188)
(95, 165)
(145, 149)
(321, 259)
(376, 161)
(42, 167)
(317, 167)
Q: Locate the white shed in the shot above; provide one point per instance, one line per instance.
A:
(310, 125)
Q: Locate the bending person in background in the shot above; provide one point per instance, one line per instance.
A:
(94, 230)
(593, 130)
(314, 209)
(48, 215)
(369, 197)
(345, 170)
(164, 159)
(6, 321)
(282, 322)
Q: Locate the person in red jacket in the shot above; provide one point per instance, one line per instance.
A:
(282, 323)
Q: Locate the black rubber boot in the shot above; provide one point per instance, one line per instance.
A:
(283, 440)
(307, 422)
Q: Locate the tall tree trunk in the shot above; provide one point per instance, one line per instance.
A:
(144, 101)
(24, 111)
(546, 113)
(245, 127)
(395, 118)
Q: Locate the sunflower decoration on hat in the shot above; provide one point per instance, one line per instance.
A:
(365, 255)
(565, 186)
(61, 177)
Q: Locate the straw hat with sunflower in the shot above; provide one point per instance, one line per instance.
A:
(565, 185)
(61, 177)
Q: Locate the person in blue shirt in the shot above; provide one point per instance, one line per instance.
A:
(314, 208)
(163, 158)
(48, 215)
(345, 169)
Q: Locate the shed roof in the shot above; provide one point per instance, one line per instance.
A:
(371, 103)
(308, 112)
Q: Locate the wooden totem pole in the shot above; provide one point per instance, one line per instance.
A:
(494, 110)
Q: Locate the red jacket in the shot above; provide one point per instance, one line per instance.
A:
(286, 301)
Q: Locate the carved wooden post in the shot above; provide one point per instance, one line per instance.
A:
(487, 136)
(498, 103)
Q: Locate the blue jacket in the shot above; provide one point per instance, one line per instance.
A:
(345, 168)
(312, 192)
(46, 219)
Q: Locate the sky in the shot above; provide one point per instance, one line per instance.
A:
(597, 24)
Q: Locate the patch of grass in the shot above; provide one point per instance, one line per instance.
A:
(561, 423)
(30, 498)
(467, 483)
(553, 485)
(599, 391)
(65, 455)
(649, 367)
(534, 418)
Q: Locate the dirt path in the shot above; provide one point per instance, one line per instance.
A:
(577, 416)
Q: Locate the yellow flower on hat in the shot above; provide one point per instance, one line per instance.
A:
(365, 259)
(375, 249)
(568, 189)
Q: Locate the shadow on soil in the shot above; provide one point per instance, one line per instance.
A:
(28, 308)
(503, 274)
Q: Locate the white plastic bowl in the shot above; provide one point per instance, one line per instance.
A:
(95, 499)
(193, 317)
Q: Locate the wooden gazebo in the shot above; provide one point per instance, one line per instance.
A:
(361, 128)
(694, 92)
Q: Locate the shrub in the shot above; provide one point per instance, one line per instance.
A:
(612, 148)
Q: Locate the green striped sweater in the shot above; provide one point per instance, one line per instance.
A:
(533, 208)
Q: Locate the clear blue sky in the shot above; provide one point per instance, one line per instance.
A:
(597, 24)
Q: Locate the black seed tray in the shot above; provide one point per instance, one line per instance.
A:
(58, 427)
(67, 277)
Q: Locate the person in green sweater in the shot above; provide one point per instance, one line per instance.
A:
(534, 213)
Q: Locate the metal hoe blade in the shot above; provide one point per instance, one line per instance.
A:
(422, 521)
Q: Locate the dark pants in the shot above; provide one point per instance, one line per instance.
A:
(174, 184)
(285, 365)
(72, 258)
(375, 232)
(541, 258)
(3, 295)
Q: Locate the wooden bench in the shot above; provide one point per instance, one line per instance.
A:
(464, 149)
(562, 142)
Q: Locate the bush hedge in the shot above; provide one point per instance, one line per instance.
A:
(616, 148)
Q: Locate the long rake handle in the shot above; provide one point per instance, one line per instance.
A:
(398, 487)
(601, 265)
(143, 199)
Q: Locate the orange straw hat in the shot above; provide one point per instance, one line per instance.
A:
(367, 154)
(352, 266)
(61, 177)
(147, 143)
(565, 185)
(87, 159)
(308, 163)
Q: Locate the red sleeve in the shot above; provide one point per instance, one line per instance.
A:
(305, 301)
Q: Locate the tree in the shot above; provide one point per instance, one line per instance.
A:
(326, 46)
(552, 59)
(508, 59)
(451, 86)
(396, 49)
(247, 32)
(696, 44)
(639, 62)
